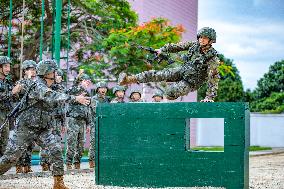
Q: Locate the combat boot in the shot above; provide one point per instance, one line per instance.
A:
(30, 169)
(59, 183)
(45, 167)
(19, 169)
(26, 169)
(92, 164)
(77, 165)
(123, 79)
(69, 166)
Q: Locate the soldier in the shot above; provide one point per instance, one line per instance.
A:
(79, 118)
(100, 97)
(135, 95)
(158, 96)
(119, 92)
(201, 65)
(34, 124)
(5, 101)
(29, 71)
(58, 119)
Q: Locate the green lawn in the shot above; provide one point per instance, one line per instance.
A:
(221, 148)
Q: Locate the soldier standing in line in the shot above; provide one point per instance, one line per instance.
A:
(34, 122)
(201, 65)
(119, 92)
(135, 95)
(6, 97)
(58, 119)
(100, 97)
(29, 71)
(158, 96)
(79, 118)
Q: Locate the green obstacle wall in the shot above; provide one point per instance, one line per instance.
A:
(146, 145)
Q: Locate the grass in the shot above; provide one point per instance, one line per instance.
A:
(221, 148)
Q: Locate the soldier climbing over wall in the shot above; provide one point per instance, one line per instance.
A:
(201, 65)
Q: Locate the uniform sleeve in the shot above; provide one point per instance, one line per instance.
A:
(176, 47)
(44, 93)
(213, 78)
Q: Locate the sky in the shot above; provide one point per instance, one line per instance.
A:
(250, 32)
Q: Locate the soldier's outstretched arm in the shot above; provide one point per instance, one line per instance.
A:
(176, 47)
(213, 79)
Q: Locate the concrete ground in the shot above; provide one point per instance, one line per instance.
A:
(266, 171)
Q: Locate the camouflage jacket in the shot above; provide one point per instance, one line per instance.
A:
(40, 103)
(25, 83)
(117, 100)
(60, 109)
(6, 95)
(75, 109)
(199, 66)
(98, 99)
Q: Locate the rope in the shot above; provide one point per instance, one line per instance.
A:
(22, 38)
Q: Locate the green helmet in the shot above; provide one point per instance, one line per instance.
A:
(158, 93)
(59, 72)
(5, 60)
(45, 67)
(85, 77)
(135, 90)
(118, 88)
(28, 64)
(101, 84)
(207, 32)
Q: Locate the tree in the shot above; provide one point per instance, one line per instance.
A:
(273, 81)
(230, 84)
(120, 47)
(91, 21)
(272, 104)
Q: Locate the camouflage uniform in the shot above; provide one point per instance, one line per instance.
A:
(5, 106)
(26, 158)
(79, 118)
(158, 93)
(198, 67)
(57, 121)
(96, 99)
(116, 99)
(34, 125)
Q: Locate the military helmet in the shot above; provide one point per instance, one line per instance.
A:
(207, 32)
(85, 77)
(45, 67)
(5, 60)
(59, 72)
(135, 90)
(118, 88)
(158, 93)
(28, 64)
(101, 84)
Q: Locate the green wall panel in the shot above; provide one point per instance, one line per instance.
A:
(145, 145)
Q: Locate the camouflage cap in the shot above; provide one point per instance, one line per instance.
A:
(46, 66)
(5, 60)
(28, 64)
(101, 84)
(85, 77)
(59, 72)
(207, 32)
(118, 88)
(158, 93)
(135, 90)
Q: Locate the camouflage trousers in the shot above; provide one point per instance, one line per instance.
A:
(56, 130)
(22, 137)
(26, 158)
(75, 140)
(180, 87)
(92, 141)
(4, 133)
